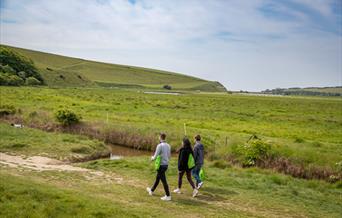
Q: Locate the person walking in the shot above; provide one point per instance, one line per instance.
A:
(183, 167)
(164, 151)
(199, 161)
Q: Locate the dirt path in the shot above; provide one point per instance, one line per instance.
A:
(37, 163)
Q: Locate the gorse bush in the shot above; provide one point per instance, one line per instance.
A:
(253, 151)
(16, 70)
(31, 81)
(7, 110)
(67, 117)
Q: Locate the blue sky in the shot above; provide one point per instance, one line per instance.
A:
(244, 44)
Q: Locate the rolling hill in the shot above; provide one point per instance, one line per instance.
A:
(65, 71)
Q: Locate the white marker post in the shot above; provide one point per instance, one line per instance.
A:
(184, 129)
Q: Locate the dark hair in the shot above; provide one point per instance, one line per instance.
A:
(198, 138)
(162, 136)
(186, 142)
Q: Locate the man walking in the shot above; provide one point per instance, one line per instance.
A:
(199, 160)
(164, 151)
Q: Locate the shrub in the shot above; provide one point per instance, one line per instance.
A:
(3, 79)
(298, 140)
(7, 110)
(253, 151)
(8, 69)
(22, 74)
(67, 117)
(14, 80)
(15, 64)
(31, 81)
(168, 87)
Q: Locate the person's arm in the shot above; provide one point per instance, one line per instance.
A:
(156, 153)
(195, 153)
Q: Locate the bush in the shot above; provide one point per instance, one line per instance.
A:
(8, 69)
(7, 110)
(253, 151)
(31, 81)
(168, 87)
(13, 63)
(67, 117)
(3, 79)
(14, 80)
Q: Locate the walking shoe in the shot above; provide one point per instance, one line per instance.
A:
(199, 185)
(166, 198)
(178, 191)
(150, 192)
(194, 193)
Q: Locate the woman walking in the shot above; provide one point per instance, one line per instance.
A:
(183, 167)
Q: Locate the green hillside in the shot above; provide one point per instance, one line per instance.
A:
(59, 70)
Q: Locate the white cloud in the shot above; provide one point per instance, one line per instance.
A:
(229, 41)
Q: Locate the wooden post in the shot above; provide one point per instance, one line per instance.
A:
(184, 129)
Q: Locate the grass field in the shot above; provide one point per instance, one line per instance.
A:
(228, 191)
(306, 130)
(66, 71)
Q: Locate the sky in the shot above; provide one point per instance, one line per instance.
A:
(244, 44)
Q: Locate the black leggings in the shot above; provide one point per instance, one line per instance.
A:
(161, 176)
(188, 176)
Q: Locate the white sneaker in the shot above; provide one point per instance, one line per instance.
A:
(150, 192)
(178, 191)
(199, 185)
(166, 198)
(194, 193)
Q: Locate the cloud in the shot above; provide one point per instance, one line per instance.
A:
(249, 45)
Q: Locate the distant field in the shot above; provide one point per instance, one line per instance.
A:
(310, 91)
(308, 130)
(64, 71)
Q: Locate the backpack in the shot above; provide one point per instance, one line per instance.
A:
(201, 174)
(191, 161)
(157, 162)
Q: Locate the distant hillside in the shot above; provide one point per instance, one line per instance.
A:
(60, 70)
(311, 91)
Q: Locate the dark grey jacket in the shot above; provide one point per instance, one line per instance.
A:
(199, 153)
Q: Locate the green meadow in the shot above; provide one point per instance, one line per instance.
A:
(119, 191)
(307, 130)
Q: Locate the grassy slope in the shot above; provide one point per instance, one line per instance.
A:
(229, 192)
(79, 72)
(307, 130)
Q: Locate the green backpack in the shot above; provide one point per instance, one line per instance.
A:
(201, 174)
(157, 162)
(191, 161)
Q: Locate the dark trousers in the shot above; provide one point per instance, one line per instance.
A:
(188, 176)
(161, 176)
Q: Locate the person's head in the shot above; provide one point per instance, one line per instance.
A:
(162, 136)
(197, 138)
(186, 143)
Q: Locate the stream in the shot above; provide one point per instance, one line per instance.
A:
(118, 152)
